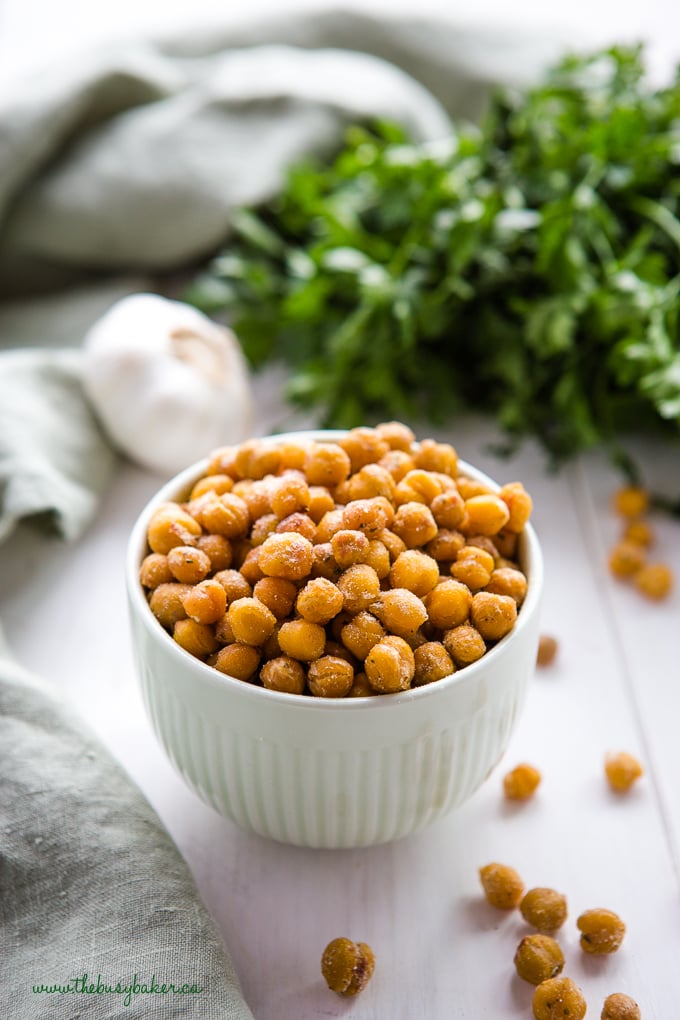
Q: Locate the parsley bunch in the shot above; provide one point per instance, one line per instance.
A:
(529, 268)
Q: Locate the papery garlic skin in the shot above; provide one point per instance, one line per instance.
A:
(166, 382)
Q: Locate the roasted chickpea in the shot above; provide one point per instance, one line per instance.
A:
(226, 515)
(416, 571)
(167, 603)
(394, 545)
(251, 621)
(188, 564)
(277, 594)
(368, 515)
(224, 632)
(330, 677)
(155, 570)
(378, 558)
(400, 611)
(473, 567)
(338, 650)
(485, 515)
(502, 886)
(287, 555)
(234, 584)
(558, 998)
(171, 526)
(471, 487)
(250, 566)
(544, 909)
(538, 958)
(222, 462)
(326, 464)
(433, 456)
(303, 640)
(289, 494)
(601, 930)
(206, 602)
(329, 525)
(448, 509)
(521, 782)
(547, 650)
(448, 605)
(361, 633)
(293, 455)
(347, 966)
(396, 435)
(372, 480)
(283, 674)
(622, 770)
(324, 563)
(319, 601)
(301, 524)
(626, 559)
(519, 504)
(218, 484)
(620, 1007)
(655, 580)
(349, 547)
(418, 486)
(446, 546)
(631, 501)
(398, 463)
(255, 459)
(218, 549)
(390, 665)
(360, 587)
(506, 581)
(196, 638)
(639, 532)
(363, 446)
(263, 527)
(494, 616)
(464, 644)
(320, 502)
(239, 661)
(414, 524)
(361, 687)
(432, 663)
(256, 496)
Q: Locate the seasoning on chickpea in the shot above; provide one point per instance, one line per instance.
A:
(538, 958)
(347, 966)
(390, 665)
(621, 770)
(557, 998)
(502, 886)
(544, 909)
(432, 662)
(464, 644)
(319, 601)
(601, 930)
(494, 616)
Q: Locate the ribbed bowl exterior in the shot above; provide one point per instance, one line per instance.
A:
(346, 773)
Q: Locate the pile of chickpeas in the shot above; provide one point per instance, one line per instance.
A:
(367, 565)
(628, 559)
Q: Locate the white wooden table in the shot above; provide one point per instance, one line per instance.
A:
(442, 953)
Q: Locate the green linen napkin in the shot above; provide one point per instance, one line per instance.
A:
(93, 892)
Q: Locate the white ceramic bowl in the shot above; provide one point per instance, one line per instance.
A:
(330, 773)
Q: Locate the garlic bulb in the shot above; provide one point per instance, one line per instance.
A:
(167, 383)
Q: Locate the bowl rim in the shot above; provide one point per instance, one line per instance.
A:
(138, 603)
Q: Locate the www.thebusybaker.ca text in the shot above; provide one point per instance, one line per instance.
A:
(84, 986)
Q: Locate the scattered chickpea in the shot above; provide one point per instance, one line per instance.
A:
(626, 559)
(631, 501)
(538, 958)
(655, 580)
(547, 650)
(283, 674)
(521, 782)
(620, 1007)
(544, 909)
(557, 998)
(347, 966)
(502, 886)
(601, 930)
(622, 770)
(639, 532)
